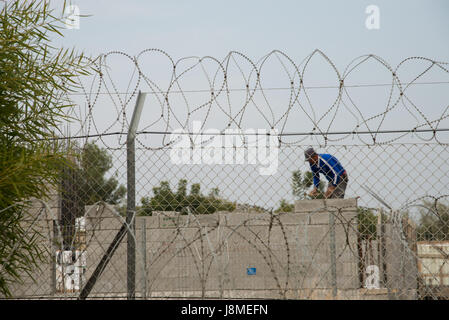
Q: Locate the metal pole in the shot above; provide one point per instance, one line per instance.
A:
(53, 260)
(333, 253)
(144, 258)
(131, 197)
(379, 247)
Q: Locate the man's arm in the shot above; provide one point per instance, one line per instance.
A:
(316, 180)
(316, 175)
(336, 169)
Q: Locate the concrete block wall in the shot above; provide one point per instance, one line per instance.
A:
(290, 251)
(317, 251)
(209, 255)
(38, 220)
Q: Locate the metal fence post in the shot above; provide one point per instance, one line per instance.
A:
(333, 253)
(144, 258)
(53, 259)
(131, 197)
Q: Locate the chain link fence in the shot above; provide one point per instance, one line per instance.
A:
(168, 213)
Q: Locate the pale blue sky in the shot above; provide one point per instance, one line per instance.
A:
(183, 28)
(201, 28)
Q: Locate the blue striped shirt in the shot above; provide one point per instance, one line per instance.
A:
(330, 167)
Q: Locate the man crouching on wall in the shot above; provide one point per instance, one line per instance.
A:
(331, 168)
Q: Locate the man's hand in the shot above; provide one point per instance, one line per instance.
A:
(329, 191)
(313, 193)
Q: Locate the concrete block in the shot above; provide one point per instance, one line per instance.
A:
(309, 206)
(233, 219)
(316, 280)
(96, 224)
(262, 219)
(347, 204)
(150, 222)
(319, 218)
(97, 211)
(323, 204)
(210, 220)
(294, 219)
(350, 269)
(178, 221)
(347, 281)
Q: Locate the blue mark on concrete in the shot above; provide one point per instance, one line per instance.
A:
(250, 271)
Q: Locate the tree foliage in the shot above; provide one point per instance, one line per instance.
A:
(164, 199)
(34, 80)
(95, 163)
(366, 223)
(434, 222)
